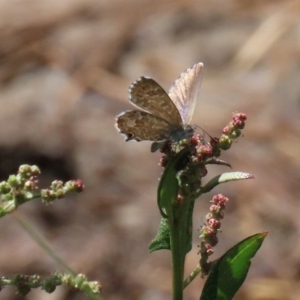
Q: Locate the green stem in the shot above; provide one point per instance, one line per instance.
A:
(177, 261)
(29, 228)
(7, 208)
(180, 235)
(192, 276)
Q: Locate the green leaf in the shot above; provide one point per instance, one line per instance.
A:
(188, 234)
(168, 186)
(229, 271)
(225, 177)
(166, 196)
(162, 239)
(232, 176)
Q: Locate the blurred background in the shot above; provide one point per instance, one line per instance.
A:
(65, 68)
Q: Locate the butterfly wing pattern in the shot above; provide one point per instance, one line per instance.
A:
(161, 116)
(185, 91)
(148, 95)
(141, 126)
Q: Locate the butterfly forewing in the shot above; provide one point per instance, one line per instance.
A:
(184, 93)
(142, 126)
(148, 95)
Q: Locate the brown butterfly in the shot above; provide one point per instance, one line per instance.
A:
(162, 116)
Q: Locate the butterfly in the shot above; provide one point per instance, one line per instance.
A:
(161, 116)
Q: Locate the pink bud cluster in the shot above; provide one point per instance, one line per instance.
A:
(232, 131)
(200, 152)
(208, 234)
(58, 189)
(21, 186)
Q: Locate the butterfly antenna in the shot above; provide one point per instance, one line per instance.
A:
(204, 132)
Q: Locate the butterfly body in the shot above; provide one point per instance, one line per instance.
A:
(161, 115)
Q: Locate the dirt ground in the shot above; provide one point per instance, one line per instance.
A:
(65, 68)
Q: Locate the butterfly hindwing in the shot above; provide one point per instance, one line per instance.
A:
(141, 126)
